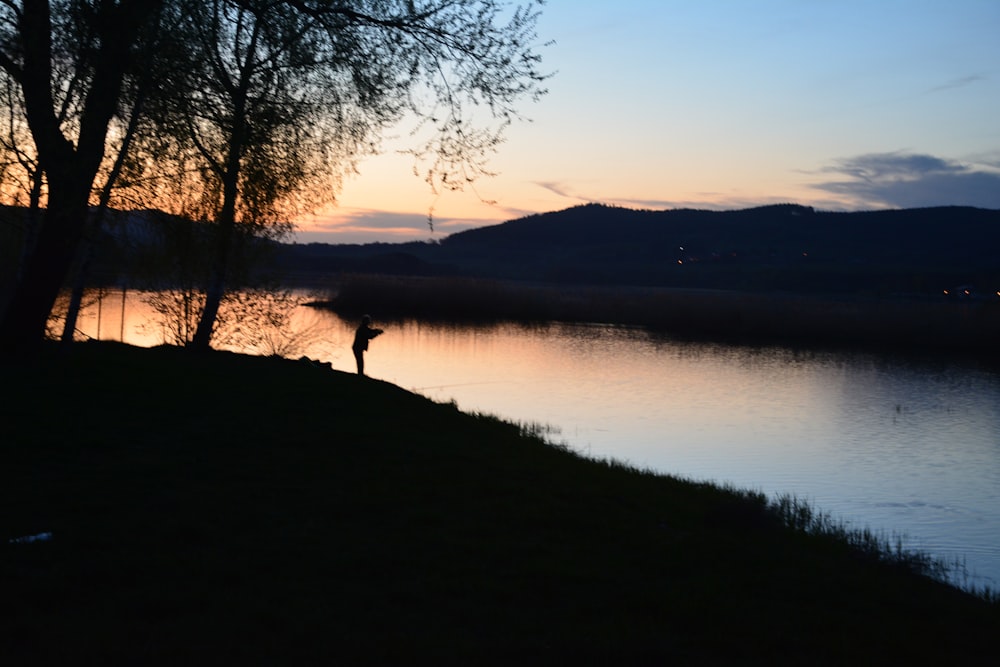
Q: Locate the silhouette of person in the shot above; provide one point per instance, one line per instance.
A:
(365, 332)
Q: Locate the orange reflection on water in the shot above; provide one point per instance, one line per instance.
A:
(121, 315)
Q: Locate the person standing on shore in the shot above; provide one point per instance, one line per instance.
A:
(364, 333)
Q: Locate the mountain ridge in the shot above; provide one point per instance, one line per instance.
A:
(785, 246)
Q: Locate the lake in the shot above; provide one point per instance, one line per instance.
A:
(907, 447)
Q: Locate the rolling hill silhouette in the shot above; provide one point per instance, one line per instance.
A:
(783, 247)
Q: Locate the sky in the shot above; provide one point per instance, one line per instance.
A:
(728, 104)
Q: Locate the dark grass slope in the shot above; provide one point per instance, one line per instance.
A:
(222, 509)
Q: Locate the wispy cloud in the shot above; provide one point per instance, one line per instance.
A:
(561, 189)
(706, 201)
(370, 220)
(908, 180)
(960, 82)
(369, 226)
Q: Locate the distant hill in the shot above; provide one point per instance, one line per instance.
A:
(784, 247)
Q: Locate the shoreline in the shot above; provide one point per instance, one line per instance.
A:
(920, 325)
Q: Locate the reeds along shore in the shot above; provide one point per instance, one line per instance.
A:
(967, 327)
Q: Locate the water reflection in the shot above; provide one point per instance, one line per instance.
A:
(898, 446)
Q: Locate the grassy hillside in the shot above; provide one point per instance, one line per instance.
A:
(237, 510)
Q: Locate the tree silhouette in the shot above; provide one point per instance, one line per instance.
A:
(266, 104)
(69, 61)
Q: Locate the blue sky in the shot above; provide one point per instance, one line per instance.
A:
(722, 104)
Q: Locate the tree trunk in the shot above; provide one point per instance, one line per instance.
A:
(89, 240)
(70, 170)
(225, 231)
(226, 220)
(215, 290)
(76, 294)
(22, 328)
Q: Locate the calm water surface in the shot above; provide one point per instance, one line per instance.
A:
(903, 447)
